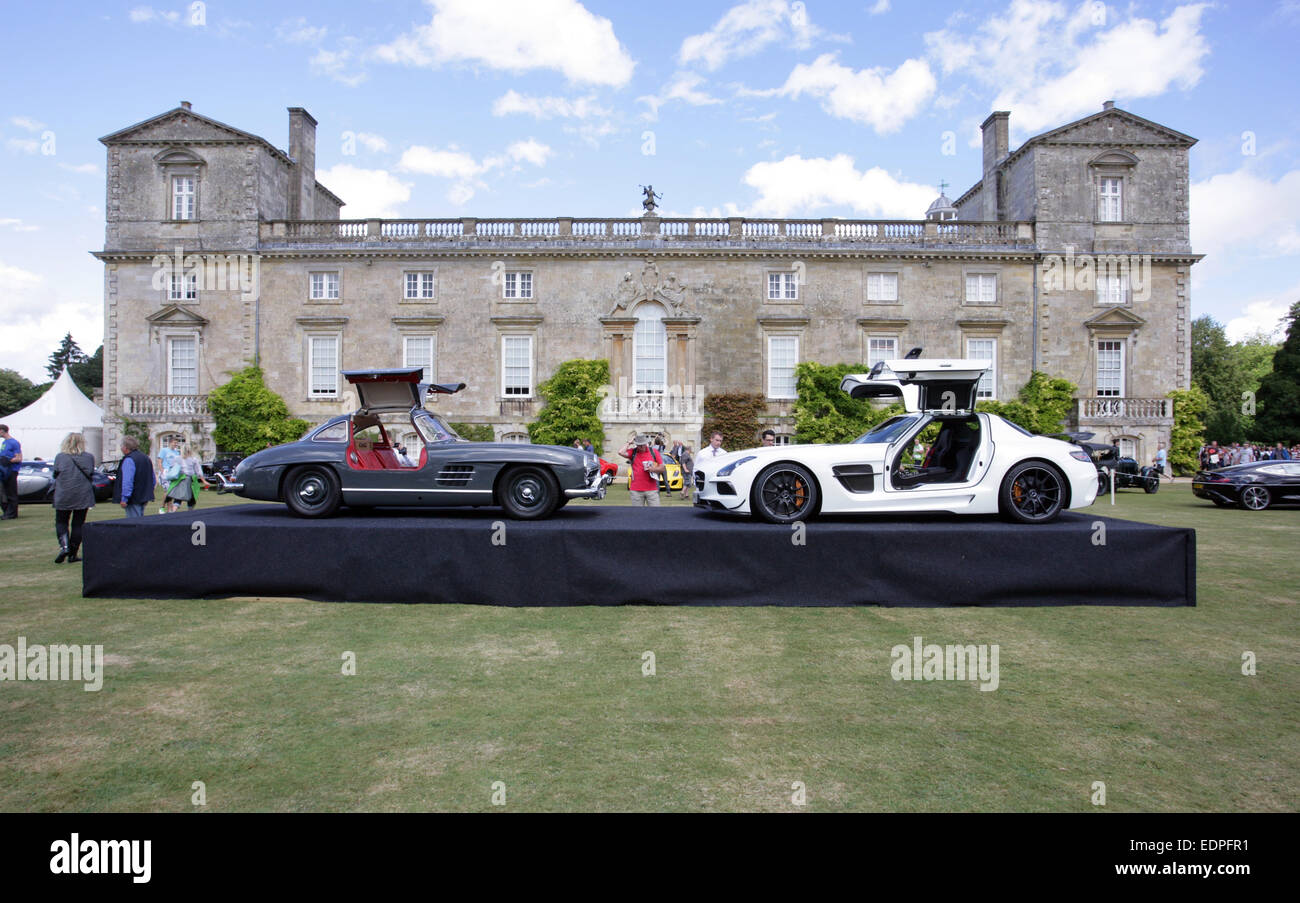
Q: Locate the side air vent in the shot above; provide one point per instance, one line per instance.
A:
(455, 475)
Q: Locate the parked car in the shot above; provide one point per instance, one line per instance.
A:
(222, 466)
(608, 471)
(36, 482)
(1128, 474)
(1254, 486)
(350, 460)
(977, 463)
(671, 479)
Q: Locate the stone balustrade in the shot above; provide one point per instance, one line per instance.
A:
(904, 233)
(165, 407)
(652, 407)
(1131, 410)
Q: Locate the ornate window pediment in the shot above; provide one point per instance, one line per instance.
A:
(1115, 319)
(176, 315)
(178, 156)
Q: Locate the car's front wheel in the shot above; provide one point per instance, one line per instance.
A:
(312, 491)
(784, 493)
(529, 493)
(1032, 493)
(1256, 498)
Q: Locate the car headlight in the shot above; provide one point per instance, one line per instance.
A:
(727, 471)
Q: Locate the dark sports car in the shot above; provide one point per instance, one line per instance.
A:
(1255, 486)
(350, 460)
(36, 482)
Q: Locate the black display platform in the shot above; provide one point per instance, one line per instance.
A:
(606, 555)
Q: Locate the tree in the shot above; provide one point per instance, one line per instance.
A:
(1041, 406)
(1277, 413)
(249, 416)
(1188, 433)
(573, 396)
(1230, 375)
(735, 415)
(822, 413)
(89, 374)
(68, 352)
(16, 392)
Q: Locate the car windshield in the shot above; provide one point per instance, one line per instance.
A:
(888, 431)
(433, 429)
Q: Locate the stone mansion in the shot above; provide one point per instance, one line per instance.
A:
(1069, 255)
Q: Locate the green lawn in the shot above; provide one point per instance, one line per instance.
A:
(248, 696)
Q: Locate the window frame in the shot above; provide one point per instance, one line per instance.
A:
(310, 370)
(897, 299)
(1103, 199)
(506, 339)
(431, 369)
(981, 274)
(173, 196)
(325, 298)
(1122, 347)
(518, 275)
(770, 364)
(992, 373)
(881, 337)
(170, 345)
(419, 275)
(787, 281)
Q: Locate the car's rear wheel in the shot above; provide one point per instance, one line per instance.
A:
(1256, 498)
(1152, 485)
(1103, 483)
(784, 493)
(528, 493)
(312, 491)
(1032, 493)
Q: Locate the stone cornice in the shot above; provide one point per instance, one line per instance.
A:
(516, 321)
(322, 321)
(418, 321)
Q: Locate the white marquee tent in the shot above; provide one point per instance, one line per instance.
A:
(41, 426)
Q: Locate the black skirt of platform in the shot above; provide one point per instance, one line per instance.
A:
(597, 555)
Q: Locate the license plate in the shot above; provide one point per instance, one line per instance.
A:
(1198, 485)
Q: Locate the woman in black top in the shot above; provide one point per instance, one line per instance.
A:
(74, 494)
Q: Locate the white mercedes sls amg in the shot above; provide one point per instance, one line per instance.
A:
(976, 463)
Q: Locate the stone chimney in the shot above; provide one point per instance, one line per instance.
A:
(302, 179)
(1108, 105)
(994, 130)
(185, 104)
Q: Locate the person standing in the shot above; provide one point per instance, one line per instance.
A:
(687, 460)
(168, 460)
(133, 488)
(74, 494)
(1162, 461)
(644, 462)
(11, 454)
(184, 486)
(768, 438)
(714, 449)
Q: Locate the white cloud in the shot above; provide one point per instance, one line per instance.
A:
(149, 14)
(23, 145)
(1242, 209)
(299, 31)
(746, 29)
(547, 107)
(85, 169)
(17, 278)
(1264, 315)
(374, 143)
(338, 65)
(1049, 64)
(529, 151)
(684, 87)
(516, 35)
(796, 185)
(447, 164)
(27, 122)
(877, 97)
(36, 318)
(882, 6)
(367, 192)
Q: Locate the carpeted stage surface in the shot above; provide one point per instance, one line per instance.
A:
(590, 555)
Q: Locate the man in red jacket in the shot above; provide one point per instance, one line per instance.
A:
(645, 462)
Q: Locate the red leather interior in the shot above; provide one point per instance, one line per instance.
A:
(424, 456)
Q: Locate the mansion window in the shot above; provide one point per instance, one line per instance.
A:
(1110, 368)
(782, 355)
(881, 348)
(882, 287)
(182, 366)
(782, 287)
(420, 351)
(1112, 289)
(650, 349)
(324, 286)
(981, 288)
(1110, 200)
(985, 350)
(517, 366)
(419, 286)
(323, 366)
(183, 287)
(182, 197)
(517, 285)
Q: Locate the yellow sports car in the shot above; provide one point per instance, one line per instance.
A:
(671, 479)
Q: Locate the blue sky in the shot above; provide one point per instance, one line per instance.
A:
(539, 108)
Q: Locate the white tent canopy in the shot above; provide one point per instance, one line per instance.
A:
(41, 426)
